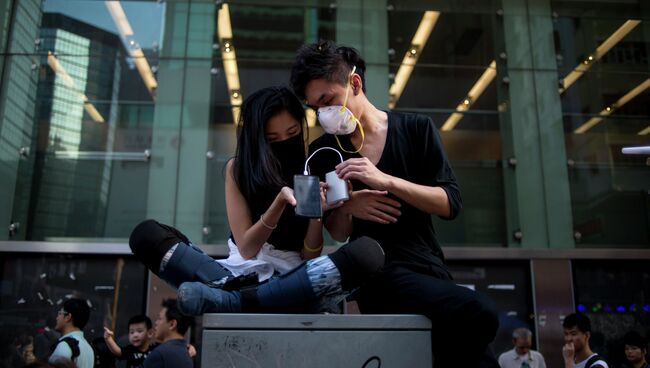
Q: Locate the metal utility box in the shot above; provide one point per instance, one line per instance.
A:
(315, 341)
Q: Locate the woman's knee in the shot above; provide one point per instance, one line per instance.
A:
(150, 240)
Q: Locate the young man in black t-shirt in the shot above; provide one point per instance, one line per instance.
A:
(400, 176)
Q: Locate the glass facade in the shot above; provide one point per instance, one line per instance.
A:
(114, 111)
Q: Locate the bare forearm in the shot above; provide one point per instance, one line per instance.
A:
(339, 224)
(255, 237)
(432, 200)
(313, 239)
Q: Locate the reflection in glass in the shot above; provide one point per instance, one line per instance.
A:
(603, 70)
(35, 286)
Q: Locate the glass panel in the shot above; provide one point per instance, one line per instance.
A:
(264, 40)
(508, 285)
(105, 83)
(453, 82)
(35, 286)
(603, 66)
(615, 295)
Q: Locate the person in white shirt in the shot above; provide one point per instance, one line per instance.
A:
(576, 350)
(522, 356)
(72, 346)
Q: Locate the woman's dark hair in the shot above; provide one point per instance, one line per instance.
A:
(255, 168)
(325, 60)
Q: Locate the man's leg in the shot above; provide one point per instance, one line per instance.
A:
(463, 321)
(170, 255)
(333, 275)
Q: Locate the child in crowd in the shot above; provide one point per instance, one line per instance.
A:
(140, 342)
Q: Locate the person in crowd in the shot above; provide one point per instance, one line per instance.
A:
(636, 350)
(141, 342)
(576, 350)
(267, 237)
(70, 320)
(171, 326)
(522, 356)
(400, 176)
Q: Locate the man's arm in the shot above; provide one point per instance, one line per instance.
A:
(429, 199)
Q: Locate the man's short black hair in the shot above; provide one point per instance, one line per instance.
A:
(325, 60)
(140, 318)
(183, 322)
(633, 338)
(79, 310)
(579, 320)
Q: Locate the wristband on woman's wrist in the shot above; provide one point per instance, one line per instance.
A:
(267, 225)
(310, 249)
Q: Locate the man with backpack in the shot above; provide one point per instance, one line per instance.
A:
(70, 320)
(576, 350)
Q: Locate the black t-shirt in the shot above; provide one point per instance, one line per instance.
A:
(413, 152)
(134, 357)
(170, 354)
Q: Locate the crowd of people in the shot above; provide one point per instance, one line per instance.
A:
(576, 351)
(391, 263)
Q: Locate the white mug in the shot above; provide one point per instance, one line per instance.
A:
(337, 188)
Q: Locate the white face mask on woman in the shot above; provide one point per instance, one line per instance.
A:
(339, 120)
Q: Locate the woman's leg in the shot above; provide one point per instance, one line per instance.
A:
(170, 255)
(333, 275)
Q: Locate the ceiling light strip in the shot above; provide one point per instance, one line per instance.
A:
(613, 107)
(60, 71)
(610, 42)
(135, 51)
(420, 39)
(474, 93)
(231, 71)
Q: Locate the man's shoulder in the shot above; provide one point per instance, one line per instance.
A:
(508, 353)
(410, 118)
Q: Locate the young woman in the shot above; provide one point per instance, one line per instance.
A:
(267, 237)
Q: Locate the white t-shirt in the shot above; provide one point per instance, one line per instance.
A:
(510, 359)
(86, 358)
(598, 363)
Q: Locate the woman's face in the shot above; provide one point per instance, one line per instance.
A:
(282, 126)
(634, 354)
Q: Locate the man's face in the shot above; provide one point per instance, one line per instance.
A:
(578, 338)
(162, 325)
(62, 319)
(138, 334)
(523, 344)
(321, 93)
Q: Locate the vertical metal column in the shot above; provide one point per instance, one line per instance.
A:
(553, 300)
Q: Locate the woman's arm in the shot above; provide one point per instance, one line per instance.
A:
(250, 236)
(313, 240)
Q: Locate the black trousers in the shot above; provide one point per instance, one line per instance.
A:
(463, 322)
